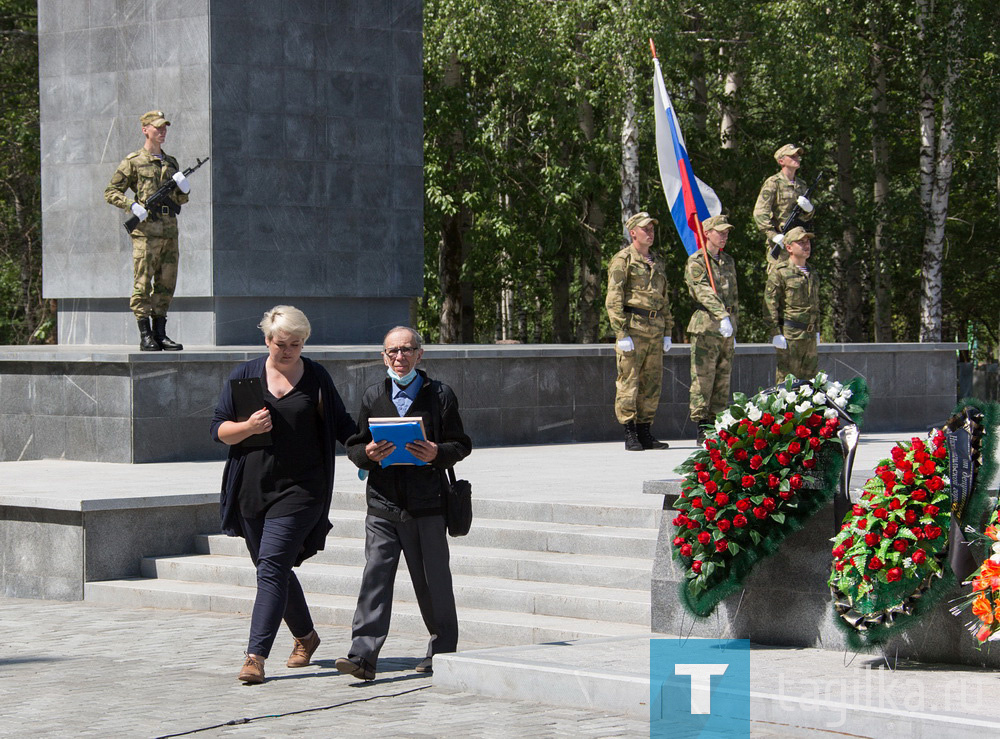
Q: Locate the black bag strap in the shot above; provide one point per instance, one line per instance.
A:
(436, 421)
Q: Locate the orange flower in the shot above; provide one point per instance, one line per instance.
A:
(990, 573)
(996, 612)
(984, 633)
(983, 608)
(991, 531)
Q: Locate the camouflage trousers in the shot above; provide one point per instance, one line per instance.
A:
(640, 375)
(711, 369)
(154, 265)
(798, 359)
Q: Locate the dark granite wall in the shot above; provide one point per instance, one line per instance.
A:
(117, 406)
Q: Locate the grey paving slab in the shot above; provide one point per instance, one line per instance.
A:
(75, 669)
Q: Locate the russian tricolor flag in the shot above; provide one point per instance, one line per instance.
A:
(691, 201)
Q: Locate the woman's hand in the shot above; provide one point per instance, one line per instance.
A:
(377, 451)
(259, 422)
(425, 451)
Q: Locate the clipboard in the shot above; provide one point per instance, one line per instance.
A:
(400, 430)
(248, 398)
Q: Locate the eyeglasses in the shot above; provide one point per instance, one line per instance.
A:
(392, 351)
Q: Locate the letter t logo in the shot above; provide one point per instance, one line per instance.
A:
(701, 684)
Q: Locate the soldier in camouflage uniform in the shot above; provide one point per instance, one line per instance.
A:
(778, 195)
(792, 300)
(713, 324)
(639, 311)
(154, 242)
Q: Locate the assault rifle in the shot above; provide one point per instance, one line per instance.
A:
(159, 203)
(789, 223)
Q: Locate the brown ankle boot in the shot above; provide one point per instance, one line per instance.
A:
(253, 671)
(303, 650)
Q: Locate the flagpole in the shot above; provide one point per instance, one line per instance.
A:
(699, 234)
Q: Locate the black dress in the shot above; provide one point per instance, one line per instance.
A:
(288, 476)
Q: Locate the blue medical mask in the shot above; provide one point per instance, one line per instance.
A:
(404, 380)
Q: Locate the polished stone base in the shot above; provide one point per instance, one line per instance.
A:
(117, 404)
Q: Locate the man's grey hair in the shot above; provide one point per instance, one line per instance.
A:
(417, 339)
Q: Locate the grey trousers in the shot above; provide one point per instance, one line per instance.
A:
(424, 543)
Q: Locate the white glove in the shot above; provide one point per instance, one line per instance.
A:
(804, 204)
(780, 342)
(185, 187)
(667, 342)
(778, 238)
(817, 337)
(139, 212)
(726, 327)
(625, 345)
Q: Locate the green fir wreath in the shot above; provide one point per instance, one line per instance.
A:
(890, 558)
(771, 463)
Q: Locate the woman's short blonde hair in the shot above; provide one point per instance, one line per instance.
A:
(285, 319)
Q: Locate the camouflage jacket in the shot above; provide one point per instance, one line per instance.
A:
(791, 296)
(775, 202)
(142, 173)
(711, 307)
(634, 282)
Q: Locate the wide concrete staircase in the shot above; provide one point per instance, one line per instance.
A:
(527, 573)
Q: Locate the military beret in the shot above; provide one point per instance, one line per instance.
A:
(639, 220)
(788, 150)
(154, 118)
(797, 234)
(716, 223)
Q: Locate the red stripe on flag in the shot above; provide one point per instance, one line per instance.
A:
(689, 205)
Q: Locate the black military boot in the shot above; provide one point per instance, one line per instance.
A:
(147, 342)
(647, 439)
(160, 333)
(632, 443)
(703, 428)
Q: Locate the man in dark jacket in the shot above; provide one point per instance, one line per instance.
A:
(405, 506)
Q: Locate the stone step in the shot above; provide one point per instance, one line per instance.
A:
(616, 541)
(632, 573)
(576, 513)
(475, 624)
(474, 591)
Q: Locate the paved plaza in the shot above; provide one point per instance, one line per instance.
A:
(83, 669)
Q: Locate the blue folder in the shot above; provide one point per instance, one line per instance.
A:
(400, 432)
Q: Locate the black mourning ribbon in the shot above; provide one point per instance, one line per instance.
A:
(958, 434)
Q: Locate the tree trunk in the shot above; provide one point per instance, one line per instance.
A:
(592, 225)
(452, 251)
(630, 154)
(936, 165)
(562, 276)
(848, 322)
(729, 111)
(880, 163)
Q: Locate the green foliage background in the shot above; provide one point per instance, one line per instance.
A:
(523, 148)
(524, 170)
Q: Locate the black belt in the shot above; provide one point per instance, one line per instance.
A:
(642, 312)
(796, 324)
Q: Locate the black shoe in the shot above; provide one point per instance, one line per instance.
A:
(647, 439)
(160, 334)
(356, 667)
(632, 443)
(147, 342)
(426, 665)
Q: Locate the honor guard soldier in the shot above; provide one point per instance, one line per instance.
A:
(154, 239)
(778, 196)
(639, 311)
(711, 283)
(792, 300)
